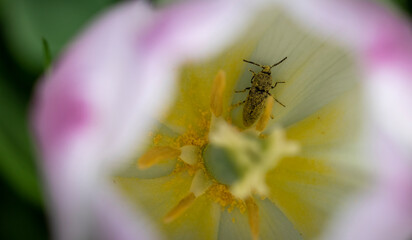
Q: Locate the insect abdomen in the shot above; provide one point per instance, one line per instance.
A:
(255, 103)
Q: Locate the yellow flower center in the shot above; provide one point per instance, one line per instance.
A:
(204, 164)
(227, 164)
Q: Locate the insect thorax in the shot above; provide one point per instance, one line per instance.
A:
(262, 81)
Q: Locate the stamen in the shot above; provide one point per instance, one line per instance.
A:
(216, 99)
(199, 186)
(156, 155)
(190, 154)
(264, 119)
(200, 183)
(253, 214)
(180, 208)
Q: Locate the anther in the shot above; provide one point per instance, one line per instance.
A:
(199, 186)
(180, 208)
(216, 99)
(253, 214)
(156, 155)
(264, 119)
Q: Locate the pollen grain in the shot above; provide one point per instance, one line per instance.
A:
(220, 194)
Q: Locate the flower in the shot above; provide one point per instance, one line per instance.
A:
(202, 169)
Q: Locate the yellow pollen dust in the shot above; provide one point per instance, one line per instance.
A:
(192, 137)
(220, 194)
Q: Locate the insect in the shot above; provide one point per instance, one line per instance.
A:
(259, 91)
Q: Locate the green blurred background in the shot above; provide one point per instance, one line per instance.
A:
(23, 58)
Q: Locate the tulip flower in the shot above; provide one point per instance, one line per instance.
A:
(230, 120)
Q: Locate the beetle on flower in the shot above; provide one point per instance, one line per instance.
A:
(137, 140)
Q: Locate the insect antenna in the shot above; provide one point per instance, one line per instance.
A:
(252, 62)
(278, 62)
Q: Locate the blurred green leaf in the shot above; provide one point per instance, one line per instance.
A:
(26, 22)
(20, 220)
(165, 3)
(17, 165)
(47, 54)
(404, 5)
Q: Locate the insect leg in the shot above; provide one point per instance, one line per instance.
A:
(279, 102)
(276, 83)
(244, 90)
(254, 74)
(275, 99)
(236, 105)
